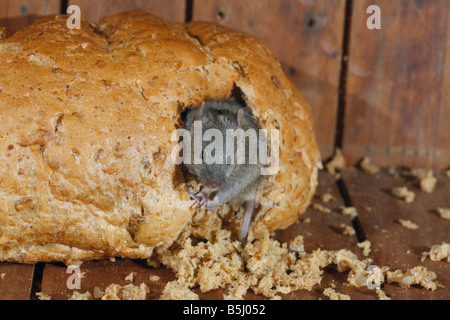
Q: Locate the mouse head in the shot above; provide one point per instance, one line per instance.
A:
(221, 115)
(214, 115)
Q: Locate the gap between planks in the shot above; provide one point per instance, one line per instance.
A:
(342, 90)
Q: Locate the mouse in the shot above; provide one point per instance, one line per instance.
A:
(228, 181)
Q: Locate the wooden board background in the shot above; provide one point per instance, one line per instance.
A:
(173, 10)
(397, 104)
(16, 14)
(381, 93)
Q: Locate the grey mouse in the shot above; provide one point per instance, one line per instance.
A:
(230, 181)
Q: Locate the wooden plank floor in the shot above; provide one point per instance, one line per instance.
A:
(15, 281)
(392, 245)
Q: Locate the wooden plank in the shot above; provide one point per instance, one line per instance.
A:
(392, 244)
(101, 274)
(398, 81)
(172, 10)
(324, 231)
(16, 14)
(15, 281)
(306, 36)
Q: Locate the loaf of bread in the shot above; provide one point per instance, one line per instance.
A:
(87, 117)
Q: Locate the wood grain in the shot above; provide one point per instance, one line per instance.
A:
(323, 230)
(397, 102)
(101, 274)
(15, 281)
(16, 14)
(392, 244)
(306, 36)
(172, 10)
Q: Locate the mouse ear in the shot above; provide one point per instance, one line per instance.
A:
(203, 114)
(200, 111)
(237, 121)
(240, 117)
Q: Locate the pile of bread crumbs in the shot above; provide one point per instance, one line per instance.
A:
(269, 268)
(266, 267)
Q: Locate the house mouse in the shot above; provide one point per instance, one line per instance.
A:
(228, 181)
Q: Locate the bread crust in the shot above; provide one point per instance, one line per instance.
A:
(87, 119)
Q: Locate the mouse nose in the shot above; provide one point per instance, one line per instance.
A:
(212, 185)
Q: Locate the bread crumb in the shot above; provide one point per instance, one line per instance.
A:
(326, 197)
(130, 277)
(370, 275)
(408, 224)
(236, 293)
(347, 230)
(321, 208)
(382, 295)
(155, 278)
(366, 247)
(2, 275)
(306, 220)
(366, 166)
(336, 163)
(438, 252)
(447, 173)
(126, 292)
(43, 296)
(174, 291)
(445, 213)
(368, 208)
(427, 181)
(265, 266)
(333, 295)
(81, 296)
(239, 287)
(403, 193)
(349, 211)
(417, 275)
(98, 293)
(297, 244)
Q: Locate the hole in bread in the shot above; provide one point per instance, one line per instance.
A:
(238, 96)
(99, 154)
(220, 15)
(58, 122)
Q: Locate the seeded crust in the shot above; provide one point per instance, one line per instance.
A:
(87, 119)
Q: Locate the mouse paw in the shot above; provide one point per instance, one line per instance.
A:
(211, 205)
(200, 197)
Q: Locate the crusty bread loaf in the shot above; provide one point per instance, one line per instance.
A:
(86, 123)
